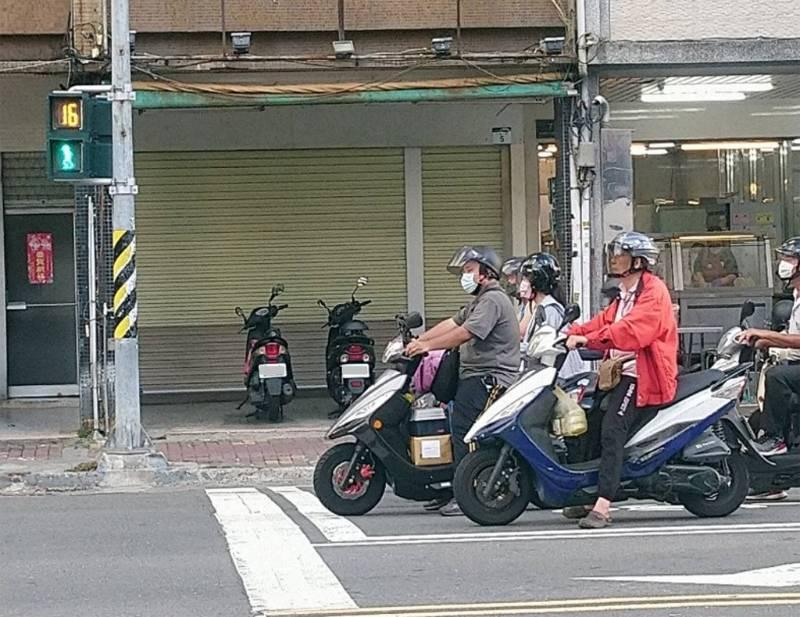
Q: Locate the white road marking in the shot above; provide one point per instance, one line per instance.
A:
(334, 527)
(278, 565)
(572, 534)
(787, 575)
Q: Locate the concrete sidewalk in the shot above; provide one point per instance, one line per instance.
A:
(206, 442)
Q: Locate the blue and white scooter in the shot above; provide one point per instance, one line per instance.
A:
(692, 453)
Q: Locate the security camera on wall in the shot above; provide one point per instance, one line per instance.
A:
(601, 110)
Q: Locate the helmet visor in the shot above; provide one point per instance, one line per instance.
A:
(460, 258)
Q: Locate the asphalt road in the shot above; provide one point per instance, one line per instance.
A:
(238, 552)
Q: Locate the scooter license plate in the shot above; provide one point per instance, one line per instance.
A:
(272, 371)
(350, 371)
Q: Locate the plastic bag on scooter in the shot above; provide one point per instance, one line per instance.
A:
(569, 418)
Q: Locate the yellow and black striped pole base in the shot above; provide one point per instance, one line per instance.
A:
(125, 307)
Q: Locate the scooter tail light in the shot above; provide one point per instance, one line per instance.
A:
(733, 389)
(355, 353)
(272, 351)
(366, 357)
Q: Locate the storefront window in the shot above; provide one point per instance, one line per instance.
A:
(713, 187)
(720, 262)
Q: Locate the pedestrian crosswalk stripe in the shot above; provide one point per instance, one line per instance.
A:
(334, 527)
(280, 569)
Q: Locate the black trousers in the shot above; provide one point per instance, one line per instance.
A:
(781, 387)
(470, 400)
(621, 420)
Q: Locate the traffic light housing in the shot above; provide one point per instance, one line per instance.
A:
(79, 138)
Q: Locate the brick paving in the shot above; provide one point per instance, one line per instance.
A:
(275, 452)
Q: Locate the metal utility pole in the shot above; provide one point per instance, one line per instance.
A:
(128, 434)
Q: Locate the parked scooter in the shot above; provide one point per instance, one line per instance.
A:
(692, 453)
(267, 367)
(350, 353)
(396, 442)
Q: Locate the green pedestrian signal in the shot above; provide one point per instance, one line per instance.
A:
(79, 138)
(68, 156)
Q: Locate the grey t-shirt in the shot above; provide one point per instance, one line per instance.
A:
(494, 347)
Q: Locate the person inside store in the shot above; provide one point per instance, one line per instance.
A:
(640, 372)
(715, 265)
(781, 382)
(509, 280)
(486, 332)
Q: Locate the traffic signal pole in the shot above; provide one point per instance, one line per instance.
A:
(127, 434)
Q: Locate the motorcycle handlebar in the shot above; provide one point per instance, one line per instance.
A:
(365, 303)
(281, 307)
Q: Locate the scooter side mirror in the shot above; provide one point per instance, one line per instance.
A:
(571, 314)
(362, 281)
(321, 304)
(277, 289)
(748, 310)
(238, 310)
(413, 320)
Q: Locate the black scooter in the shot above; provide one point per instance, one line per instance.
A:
(350, 477)
(350, 353)
(267, 367)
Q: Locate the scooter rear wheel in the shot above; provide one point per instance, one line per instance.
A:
(503, 506)
(729, 498)
(365, 493)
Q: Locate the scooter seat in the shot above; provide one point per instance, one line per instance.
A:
(692, 383)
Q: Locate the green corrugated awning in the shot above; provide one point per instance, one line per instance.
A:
(163, 98)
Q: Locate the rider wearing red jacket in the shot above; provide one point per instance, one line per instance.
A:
(638, 330)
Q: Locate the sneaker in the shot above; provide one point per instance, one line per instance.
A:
(451, 509)
(776, 495)
(771, 446)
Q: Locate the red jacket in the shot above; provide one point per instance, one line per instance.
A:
(649, 330)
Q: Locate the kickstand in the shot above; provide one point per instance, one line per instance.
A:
(242, 404)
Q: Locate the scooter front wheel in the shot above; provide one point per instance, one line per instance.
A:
(506, 500)
(359, 496)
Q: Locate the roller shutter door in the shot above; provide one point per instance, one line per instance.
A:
(462, 200)
(218, 229)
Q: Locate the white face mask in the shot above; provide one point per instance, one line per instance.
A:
(468, 282)
(786, 270)
(525, 290)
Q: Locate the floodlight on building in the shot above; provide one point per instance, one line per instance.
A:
(343, 49)
(241, 42)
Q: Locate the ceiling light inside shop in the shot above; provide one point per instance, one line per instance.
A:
(743, 83)
(731, 145)
(686, 97)
(544, 154)
(662, 144)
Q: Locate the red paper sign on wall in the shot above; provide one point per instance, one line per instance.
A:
(40, 258)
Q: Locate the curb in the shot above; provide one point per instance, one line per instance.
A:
(179, 475)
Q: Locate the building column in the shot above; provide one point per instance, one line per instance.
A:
(519, 219)
(3, 328)
(415, 253)
(530, 157)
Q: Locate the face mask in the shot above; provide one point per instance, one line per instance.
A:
(468, 283)
(786, 270)
(525, 290)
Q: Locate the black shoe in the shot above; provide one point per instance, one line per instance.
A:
(436, 504)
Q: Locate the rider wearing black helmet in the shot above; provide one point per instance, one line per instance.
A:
(782, 382)
(540, 288)
(510, 280)
(487, 333)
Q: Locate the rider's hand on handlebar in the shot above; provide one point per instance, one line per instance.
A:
(573, 342)
(751, 336)
(416, 348)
